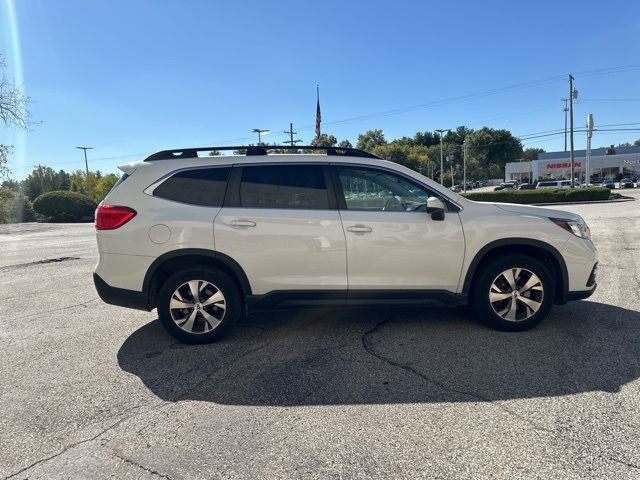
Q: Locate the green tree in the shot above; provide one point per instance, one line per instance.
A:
(80, 182)
(103, 186)
(457, 136)
(370, 139)
(532, 153)
(5, 150)
(15, 207)
(11, 185)
(426, 139)
(325, 140)
(42, 180)
(492, 149)
(345, 144)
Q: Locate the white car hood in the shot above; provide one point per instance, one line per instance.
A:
(537, 211)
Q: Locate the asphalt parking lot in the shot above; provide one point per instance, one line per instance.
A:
(90, 390)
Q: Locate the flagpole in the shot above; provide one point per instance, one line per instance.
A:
(318, 115)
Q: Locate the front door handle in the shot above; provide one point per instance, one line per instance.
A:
(359, 229)
(242, 223)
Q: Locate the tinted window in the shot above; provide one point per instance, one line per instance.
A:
(284, 186)
(201, 186)
(370, 189)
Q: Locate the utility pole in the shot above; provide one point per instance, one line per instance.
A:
(441, 131)
(291, 133)
(588, 154)
(259, 131)
(86, 164)
(565, 110)
(464, 166)
(572, 94)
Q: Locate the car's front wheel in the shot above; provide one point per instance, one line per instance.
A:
(513, 293)
(199, 305)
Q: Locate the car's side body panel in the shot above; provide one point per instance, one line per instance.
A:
(284, 249)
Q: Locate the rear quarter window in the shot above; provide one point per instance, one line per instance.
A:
(198, 186)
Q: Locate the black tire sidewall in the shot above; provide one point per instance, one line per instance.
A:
(490, 271)
(226, 284)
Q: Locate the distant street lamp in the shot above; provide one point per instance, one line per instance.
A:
(441, 131)
(260, 131)
(464, 165)
(86, 164)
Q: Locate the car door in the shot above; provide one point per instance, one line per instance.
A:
(392, 243)
(280, 223)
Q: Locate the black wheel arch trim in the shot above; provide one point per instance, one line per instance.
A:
(225, 260)
(528, 242)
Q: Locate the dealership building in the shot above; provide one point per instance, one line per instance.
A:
(604, 163)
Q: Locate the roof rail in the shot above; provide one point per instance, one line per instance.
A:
(257, 150)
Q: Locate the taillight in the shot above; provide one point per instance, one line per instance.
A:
(109, 217)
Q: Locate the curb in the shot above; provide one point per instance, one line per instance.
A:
(617, 200)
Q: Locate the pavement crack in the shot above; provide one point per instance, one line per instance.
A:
(624, 462)
(75, 444)
(81, 304)
(146, 469)
(366, 343)
(39, 262)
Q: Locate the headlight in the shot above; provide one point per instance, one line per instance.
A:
(578, 227)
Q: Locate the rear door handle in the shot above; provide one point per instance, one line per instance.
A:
(359, 229)
(242, 223)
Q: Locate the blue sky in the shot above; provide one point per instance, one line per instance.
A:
(133, 77)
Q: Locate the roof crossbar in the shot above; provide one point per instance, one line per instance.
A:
(257, 150)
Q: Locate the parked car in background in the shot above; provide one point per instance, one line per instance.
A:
(527, 186)
(561, 184)
(456, 188)
(626, 183)
(608, 183)
(507, 186)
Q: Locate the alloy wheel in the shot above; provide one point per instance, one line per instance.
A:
(197, 306)
(516, 294)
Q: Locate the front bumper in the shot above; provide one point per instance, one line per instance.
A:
(579, 295)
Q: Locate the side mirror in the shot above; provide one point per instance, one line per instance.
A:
(436, 208)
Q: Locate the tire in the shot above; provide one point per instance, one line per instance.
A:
(493, 298)
(218, 306)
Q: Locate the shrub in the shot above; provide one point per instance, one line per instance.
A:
(543, 195)
(64, 206)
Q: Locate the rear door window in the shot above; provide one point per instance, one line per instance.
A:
(284, 186)
(197, 186)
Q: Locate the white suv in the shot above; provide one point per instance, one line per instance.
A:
(205, 238)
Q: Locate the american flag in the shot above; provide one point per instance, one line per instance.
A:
(318, 115)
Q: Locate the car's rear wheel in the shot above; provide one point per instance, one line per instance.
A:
(513, 293)
(199, 305)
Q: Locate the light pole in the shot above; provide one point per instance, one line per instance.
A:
(441, 131)
(260, 131)
(565, 110)
(464, 166)
(588, 152)
(86, 164)
(573, 94)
